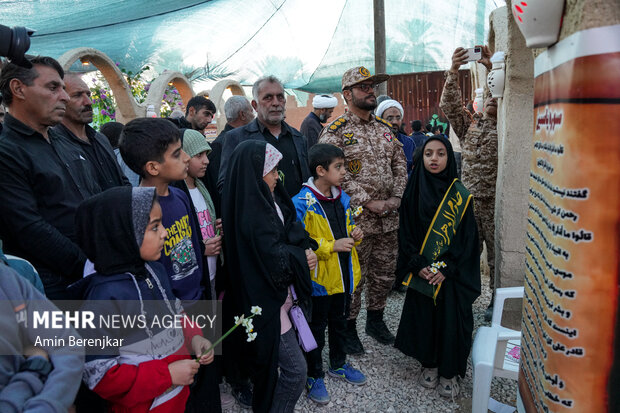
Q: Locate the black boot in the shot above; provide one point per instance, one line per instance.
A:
(353, 345)
(376, 328)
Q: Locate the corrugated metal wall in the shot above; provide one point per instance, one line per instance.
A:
(419, 93)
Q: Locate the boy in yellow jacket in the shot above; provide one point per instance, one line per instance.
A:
(324, 209)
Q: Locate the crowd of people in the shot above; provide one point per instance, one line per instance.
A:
(265, 217)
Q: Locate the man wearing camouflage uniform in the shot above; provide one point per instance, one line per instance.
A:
(478, 139)
(376, 178)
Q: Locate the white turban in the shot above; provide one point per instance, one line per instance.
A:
(389, 103)
(324, 101)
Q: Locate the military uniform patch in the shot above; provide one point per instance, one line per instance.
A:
(354, 166)
(337, 124)
(388, 136)
(350, 140)
(364, 72)
(385, 122)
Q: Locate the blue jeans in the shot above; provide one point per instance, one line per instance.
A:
(292, 374)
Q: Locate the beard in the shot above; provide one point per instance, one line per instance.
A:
(323, 117)
(364, 104)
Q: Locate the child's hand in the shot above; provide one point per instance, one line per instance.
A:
(312, 259)
(344, 245)
(200, 345)
(436, 278)
(219, 226)
(357, 234)
(182, 372)
(213, 246)
(425, 273)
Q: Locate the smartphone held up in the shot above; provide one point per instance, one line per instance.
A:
(474, 54)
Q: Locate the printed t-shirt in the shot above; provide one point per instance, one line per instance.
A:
(205, 222)
(179, 255)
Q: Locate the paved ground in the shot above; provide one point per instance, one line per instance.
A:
(392, 377)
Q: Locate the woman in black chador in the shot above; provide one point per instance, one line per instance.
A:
(267, 252)
(438, 259)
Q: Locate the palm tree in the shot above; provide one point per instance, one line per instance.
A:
(420, 52)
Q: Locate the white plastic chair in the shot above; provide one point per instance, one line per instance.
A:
(493, 350)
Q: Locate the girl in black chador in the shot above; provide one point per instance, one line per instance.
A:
(267, 252)
(438, 259)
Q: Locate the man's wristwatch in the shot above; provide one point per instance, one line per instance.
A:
(37, 364)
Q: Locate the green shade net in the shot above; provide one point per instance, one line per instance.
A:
(307, 44)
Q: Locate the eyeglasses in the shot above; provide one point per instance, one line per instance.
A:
(365, 87)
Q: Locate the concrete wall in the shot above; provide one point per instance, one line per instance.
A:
(586, 14)
(515, 128)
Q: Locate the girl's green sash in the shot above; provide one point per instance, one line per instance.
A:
(440, 233)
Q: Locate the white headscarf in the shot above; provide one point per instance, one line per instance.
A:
(272, 157)
(324, 101)
(389, 103)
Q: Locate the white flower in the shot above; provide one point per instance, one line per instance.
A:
(239, 320)
(309, 199)
(251, 337)
(358, 211)
(249, 327)
(434, 270)
(256, 310)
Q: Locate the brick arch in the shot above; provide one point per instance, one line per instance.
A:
(126, 106)
(160, 85)
(216, 93)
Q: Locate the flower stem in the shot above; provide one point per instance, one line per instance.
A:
(219, 340)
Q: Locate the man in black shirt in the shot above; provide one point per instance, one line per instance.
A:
(268, 101)
(198, 114)
(75, 128)
(43, 177)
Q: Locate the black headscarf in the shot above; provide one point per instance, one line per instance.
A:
(422, 196)
(264, 257)
(432, 187)
(110, 228)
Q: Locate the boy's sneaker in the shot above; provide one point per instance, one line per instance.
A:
(348, 374)
(317, 391)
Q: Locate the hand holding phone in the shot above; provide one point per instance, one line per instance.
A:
(474, 54)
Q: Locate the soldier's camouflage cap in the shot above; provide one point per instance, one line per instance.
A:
(359, 74)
